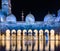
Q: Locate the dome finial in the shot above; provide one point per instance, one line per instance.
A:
(30, 12)
(48, 12)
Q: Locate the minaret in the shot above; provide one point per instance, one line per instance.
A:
(6, 6)
(22, 16)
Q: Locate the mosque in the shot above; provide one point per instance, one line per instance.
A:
(7, 19)
(9, 22)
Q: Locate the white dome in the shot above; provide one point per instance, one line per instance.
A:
(30, 18)
(11, 18)
(2, 17)
(53, 15)
(58, 12)
(57, 19)
(49, 18)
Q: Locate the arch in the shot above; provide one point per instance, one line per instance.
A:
(41, 31)
(24, 32)
(52, 31)
(7, 34)
(36, 31)
(36, 34)
(46, 39)
(52, 39)
(36, 39)
(7, 39)
(19, 39)
(29, 32)
(13, 31)
(41, 34)
(47, 30)
(19, 32)
(19, 35)
(47, 34)
(8, 31)
(24, 39)
(41, 39)
(52, 34)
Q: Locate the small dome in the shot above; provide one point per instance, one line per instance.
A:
(11, 18)
(2, 17)
(58, 12)
(30, 18)
(49, 18)
(57, 19)
(53, 15)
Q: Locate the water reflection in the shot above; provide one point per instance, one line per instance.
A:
(46, 40)
(52, 42)
(28, 42)
(29, 45)
(12, 46)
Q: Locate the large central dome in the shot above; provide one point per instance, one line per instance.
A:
(30, 18)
